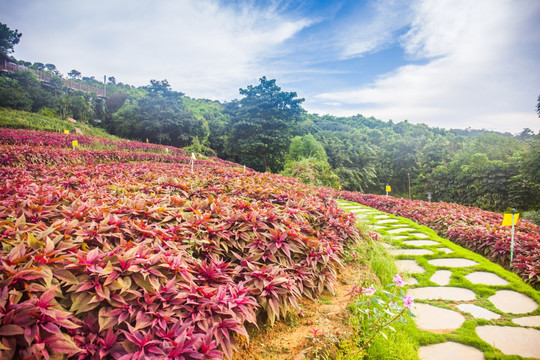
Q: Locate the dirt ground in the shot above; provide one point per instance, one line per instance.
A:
(292, 338)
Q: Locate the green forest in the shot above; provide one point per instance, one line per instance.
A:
(267, 129)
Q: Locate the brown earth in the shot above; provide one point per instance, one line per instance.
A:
(293, 338)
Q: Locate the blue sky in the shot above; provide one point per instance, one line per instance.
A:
(445, 63)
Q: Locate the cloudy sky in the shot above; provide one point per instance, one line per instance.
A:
(446, 63)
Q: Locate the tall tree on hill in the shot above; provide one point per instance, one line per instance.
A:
(8, 39)
(261, 125)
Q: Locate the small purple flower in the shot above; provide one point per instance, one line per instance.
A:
(407, 301)
(399, 280)
(369, 291)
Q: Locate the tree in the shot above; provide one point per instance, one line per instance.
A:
(261, 125)
(538, 106)
(74, 74)
(312, 171)
(38, 66)
(52, 68)
(8, 39)
(12, 95)
(304, 147)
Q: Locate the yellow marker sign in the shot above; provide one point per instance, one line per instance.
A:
(388, 188)
(75, 143)
(507, 220)
(66, 131)
(146, 140)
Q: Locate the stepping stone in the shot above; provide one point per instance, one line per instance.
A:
(414, 252)
(513, 302)
(441, 277)
(387, 221)
(436, 319)
(409, 266)
(446, 250)
(386, 245)
(420, 235)
(400, 230)
(359, 209)
(411, 281)
(421, 242)
(512, 340)
(486, 278)
(528, 321)
(382, 217)
(442, 293)
(452, 262)
(399, 237)
(478, 312)
(377, 227)
(449, 351)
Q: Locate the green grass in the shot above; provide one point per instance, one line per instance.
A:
(409, 338)
(17, 119)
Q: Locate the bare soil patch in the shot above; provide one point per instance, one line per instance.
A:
(291, 338)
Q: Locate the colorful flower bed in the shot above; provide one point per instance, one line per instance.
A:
(140, 260)
(472, 228)
(60, 140)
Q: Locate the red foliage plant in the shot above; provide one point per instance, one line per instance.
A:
(146, 260)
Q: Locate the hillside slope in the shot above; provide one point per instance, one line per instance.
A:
(125, 252)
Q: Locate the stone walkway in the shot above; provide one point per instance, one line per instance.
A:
(503, 317)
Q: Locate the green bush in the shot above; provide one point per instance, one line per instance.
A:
(533, 216)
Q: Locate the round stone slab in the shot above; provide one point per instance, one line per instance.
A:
(512, 340)
(411, 281)
(442, 293)
(410, 252)
(400, 230)
(486, 278)
(382, 217)
(387, 221)
(420, 235)
(359, 210)
(446, 250)
(513, 302)
(452, 262)
(478, 312)
(441, 277)
(420, 242)
(528, 321)
(436, 319)
(409, 266)
(449, 351)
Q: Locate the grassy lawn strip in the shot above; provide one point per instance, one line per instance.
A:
(409, 336)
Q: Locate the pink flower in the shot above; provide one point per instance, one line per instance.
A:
(407, 301)
(399, 280)
(369, 291)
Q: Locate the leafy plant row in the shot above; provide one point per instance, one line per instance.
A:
(61, 140)
(17, 155)
(149, 261)
(470, 227)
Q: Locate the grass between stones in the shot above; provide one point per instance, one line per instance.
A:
(405, 342)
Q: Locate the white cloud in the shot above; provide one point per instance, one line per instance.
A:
(373, 28)
(203, 48)
(482, 70)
